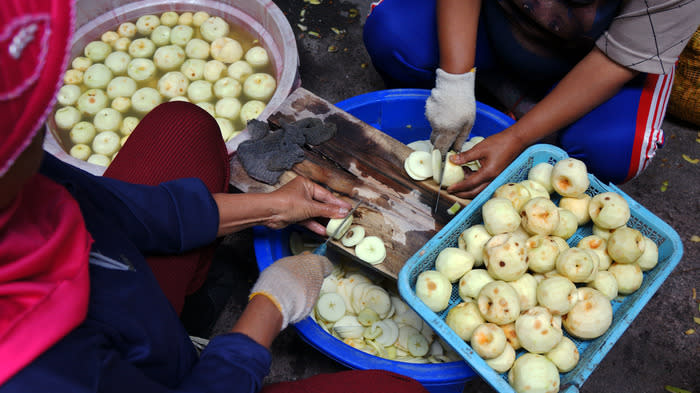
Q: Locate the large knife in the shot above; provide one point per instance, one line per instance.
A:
(321, 250)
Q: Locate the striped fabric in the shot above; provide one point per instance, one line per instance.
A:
(650, 116)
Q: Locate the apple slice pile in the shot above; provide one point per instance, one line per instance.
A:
(360, 312)
(426, 162)
(522, 286)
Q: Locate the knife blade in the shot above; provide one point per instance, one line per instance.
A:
(321, 250)
(442, 177)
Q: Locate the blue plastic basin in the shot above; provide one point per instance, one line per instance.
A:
(400, 114)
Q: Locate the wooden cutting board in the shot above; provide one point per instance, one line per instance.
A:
(362, 163)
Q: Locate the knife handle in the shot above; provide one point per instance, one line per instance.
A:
(321, 250)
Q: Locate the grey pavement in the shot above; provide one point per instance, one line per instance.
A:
(654, 351)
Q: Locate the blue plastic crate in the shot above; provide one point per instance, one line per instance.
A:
(625, 309)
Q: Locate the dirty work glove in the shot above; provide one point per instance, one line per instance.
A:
(451, 109)
(293, 285)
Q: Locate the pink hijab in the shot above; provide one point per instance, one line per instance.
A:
(44, 245)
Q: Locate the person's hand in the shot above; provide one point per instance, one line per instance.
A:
(451, 109)
(494, 153)
(300, 200)
(293, 285)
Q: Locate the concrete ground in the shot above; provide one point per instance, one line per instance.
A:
(655, 351)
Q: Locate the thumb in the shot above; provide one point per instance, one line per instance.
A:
(475, 153)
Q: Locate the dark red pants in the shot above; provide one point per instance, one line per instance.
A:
(353, 381)
(175, 140)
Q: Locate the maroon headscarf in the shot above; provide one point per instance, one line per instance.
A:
(44, 245)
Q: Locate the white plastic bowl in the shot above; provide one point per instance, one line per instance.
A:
(262, 18)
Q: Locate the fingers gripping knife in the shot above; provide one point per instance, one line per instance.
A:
(321, 250)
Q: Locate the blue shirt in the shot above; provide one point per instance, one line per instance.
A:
(132, 339)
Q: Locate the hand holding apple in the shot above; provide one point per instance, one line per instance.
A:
(300, 200)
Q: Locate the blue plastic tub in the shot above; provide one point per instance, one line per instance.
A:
(625, 309)
(399, 113)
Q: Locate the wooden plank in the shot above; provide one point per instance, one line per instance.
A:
(363, 163)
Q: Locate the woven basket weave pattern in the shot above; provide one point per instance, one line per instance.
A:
(685, 96)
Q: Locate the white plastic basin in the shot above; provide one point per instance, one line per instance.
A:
(261, 18)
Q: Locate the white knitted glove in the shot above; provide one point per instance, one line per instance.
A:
(293, 285)
(451, 109)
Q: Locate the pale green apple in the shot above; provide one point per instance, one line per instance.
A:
(537, 330)
(570, 177)
(590, 317)
(498, 302)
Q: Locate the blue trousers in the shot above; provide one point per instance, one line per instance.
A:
(616, 140)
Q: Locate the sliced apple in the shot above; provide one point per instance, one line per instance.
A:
(371, 250)
(422, 145)
(437, 165)
(353, 236)
(333, 228)
(418, 165)
(330, 307)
